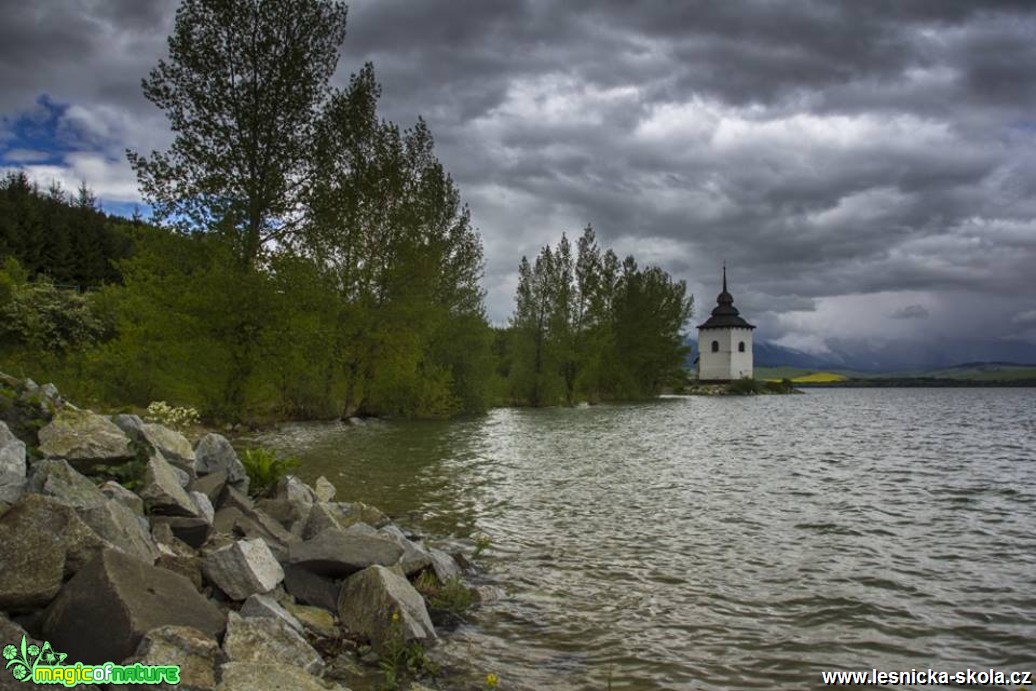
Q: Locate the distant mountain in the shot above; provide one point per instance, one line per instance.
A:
(894, 356)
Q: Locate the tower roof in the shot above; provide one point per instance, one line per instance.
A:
(724, 314)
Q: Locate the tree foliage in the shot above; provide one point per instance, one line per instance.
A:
(588, 327)
(243, 89)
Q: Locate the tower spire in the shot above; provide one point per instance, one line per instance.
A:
(724, 277)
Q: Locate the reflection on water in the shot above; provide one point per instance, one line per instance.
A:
(724, 543)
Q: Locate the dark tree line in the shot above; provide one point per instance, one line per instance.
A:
(57, 234)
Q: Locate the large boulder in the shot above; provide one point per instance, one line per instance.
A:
(162, 492)
(270, 676)
(43, 542)
(173, 446)
(197, 655)
(54, 477)
(130, 598)
(243, 568)
(335, 554)
(215, 454)
(84, 439)
(382, 605)
(269, 639)
(12, 466)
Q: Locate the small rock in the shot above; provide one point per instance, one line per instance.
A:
(132, 425)
(243, 568)
(316, 619)
(321, 517)
(205, 510)
(269, 639)
(384, 607)
(215, 454)
(162, 493)
(445, 566)
(173, 446)
(414, 557)
(323, 489)
(264, 605)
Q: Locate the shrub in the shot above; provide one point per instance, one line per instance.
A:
(165, 414)
(745, 386)
(265, 469)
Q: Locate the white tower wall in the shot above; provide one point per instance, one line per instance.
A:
(729, 362)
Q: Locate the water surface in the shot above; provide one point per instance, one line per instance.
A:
(724, 543)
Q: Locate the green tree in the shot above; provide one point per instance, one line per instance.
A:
(243, 88)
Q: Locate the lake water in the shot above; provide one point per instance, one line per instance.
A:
(723, 543)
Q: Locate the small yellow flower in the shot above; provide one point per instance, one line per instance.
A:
(395, 616)
(492, 680)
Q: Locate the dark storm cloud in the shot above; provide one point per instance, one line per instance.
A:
(828, 151)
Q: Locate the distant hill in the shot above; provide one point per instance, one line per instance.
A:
(989, 359)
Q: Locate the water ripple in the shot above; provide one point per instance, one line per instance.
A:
(722, 543)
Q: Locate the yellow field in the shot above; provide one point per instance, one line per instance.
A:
(819, 378)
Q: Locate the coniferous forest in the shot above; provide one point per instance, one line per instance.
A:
(306, 258)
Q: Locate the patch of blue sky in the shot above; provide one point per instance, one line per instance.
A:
(39, 136)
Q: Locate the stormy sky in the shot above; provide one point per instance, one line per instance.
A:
(866, 169)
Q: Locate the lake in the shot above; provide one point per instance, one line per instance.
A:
(723, 542)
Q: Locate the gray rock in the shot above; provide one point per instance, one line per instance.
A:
(197, 655)
(210, 485)
(12, 466)
(242, 519)
(292, 488)
(119, 525)
(335, 553)
(128, 498)
(56, 478)
(11, 633)
(132, 425)
(215, 454)
(269, 676)
(321, 517)
(384, 607)
(205, 510)
(358, 512)
(316, 619)
(84, 439)
(243, 568)
(173, 446)
(323, 489)
(130, 598)
(445, 566)
(193, 530)
(269, 639)
(44, 542)
(162, 493)
(182, 476)
(309, 588)
(414, 558)
(362, 529)
(264, 605)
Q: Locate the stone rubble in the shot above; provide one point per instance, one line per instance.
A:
(121, 541)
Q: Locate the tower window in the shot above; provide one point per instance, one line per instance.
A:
(741, 347)
(715, 346)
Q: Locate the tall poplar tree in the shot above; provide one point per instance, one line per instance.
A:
(242, 88)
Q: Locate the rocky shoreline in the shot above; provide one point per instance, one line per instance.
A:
(178, 565)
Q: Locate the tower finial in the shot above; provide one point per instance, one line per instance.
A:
(724, 277)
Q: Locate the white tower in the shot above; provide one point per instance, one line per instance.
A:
(724, 342)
